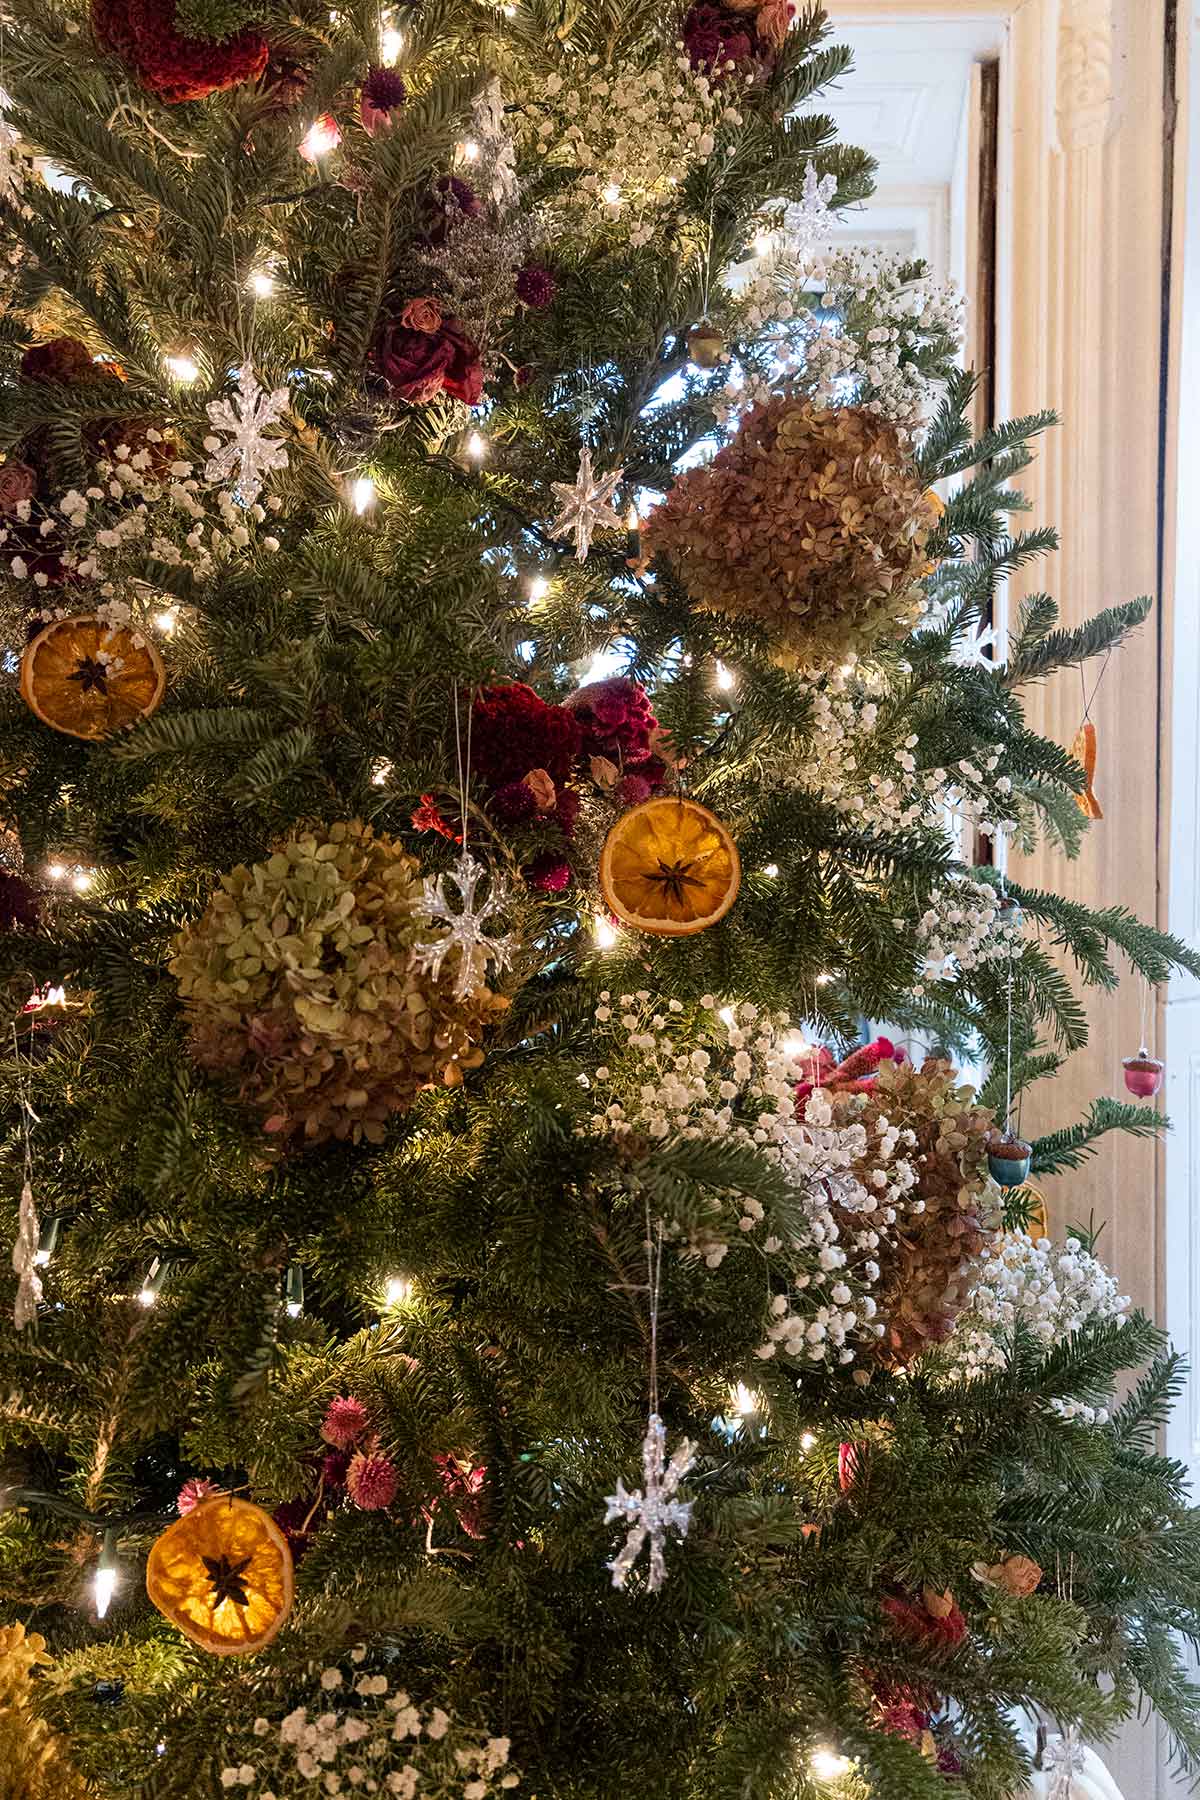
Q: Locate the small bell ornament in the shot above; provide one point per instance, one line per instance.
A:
(1143, 1074)
(705, 345)
(1009, 1158)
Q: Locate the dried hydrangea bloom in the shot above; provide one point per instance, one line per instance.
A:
(812, 522)
(298, 979)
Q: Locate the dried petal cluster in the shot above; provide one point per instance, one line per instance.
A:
(929, 1255)
(298, 979)
(811, 521)
(34, 1760)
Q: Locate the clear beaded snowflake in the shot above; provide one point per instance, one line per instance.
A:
(652, 1510)
(585, 504)
(466, 925)
(246, 415)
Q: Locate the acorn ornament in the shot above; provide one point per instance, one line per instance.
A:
(1143, 1074)
(705, 345)
(1009, 1158)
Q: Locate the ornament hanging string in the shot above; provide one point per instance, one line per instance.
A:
(1090, 700)
(24, 1256)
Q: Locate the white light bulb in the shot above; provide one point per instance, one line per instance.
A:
(726, 1015)
(539, 587)
(743, 1400)
(476, 447)
(41, 1259)
(397, 1289)
(772, 869)
(55, 871)
(182, 368)
(391, 44)
(321, 137)
(82, 881)
(380, 773)
(794, 1044)
(262, 284)
(824, 980)
(826, 1765)
(807, 1441)
(725, 678)
(469, 151)
(632, 521)
(147, 1297)
(763, 241)
(166, 620)
(104, 1586)
(362, 494)
(606, 932)
(611, 195)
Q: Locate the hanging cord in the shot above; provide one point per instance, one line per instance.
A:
(1090, 701)
(464, 764)
(654, 1243)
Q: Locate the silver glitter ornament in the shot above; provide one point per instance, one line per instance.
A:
(246, 414)
(585, 504)
(466, 923)
(652, 1510)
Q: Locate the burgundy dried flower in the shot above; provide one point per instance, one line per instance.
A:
(513, 730)
(333, 1468)
(18, 902)
(371, 1480)
(384, 89)
(420, 365)
(548, 874)
(513, 803)
(18, 482)
(618, 723)
(714, 37)
(345, 1421)
(633, 789)
(61, 359)
(143, 34)
(195, 1489)
(536, 287)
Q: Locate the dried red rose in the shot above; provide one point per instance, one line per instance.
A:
(420, 365)
(18, 482)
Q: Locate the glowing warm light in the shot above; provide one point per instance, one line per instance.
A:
(807, 1441)
(380, 772)
(725, 678)
(148, 1293)
(763, 243)
(166, 620)
(54, 996)
(262, 284)
(606, 932)
(726, 1015)
(611, 195)
(476, 447)
(55, 871)
(632, 521)
(469, 151)
(47, 1242)
(82, 881)
(391, 43)
(322, 136)
(293, 1290)
(794, 1044)
(743, 1400)
(183, 368)
(397, 1289)
(771, 869)
(104, 1586)
(824, 980)
(539, 587)
(827, 1765)
(362, 493)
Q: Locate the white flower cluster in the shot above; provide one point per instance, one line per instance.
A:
(633, 131)
(963, 927)
(737, 1081)
(369, 1740)
(133, 511)
(880, 786)
(889, 317)
(1053, 1289)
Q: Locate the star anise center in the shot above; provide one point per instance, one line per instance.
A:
(228, 1579)
(91, 675)
(674, 877)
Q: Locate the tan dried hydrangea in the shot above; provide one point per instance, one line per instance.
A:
(298, 979)
(928, 1258)
(34, 1760)
(812, 521)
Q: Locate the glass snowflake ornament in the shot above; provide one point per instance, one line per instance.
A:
(807, 220)
(246, 415)
(652, 1510)
(585, 504)
(466, 921)
(1064, 1759)
(24, 1262)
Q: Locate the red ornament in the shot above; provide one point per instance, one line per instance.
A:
(177, 68)
(1143, 1074)
(848, 1466)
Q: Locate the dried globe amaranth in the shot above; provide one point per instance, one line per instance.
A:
(298, 979)
(927, 1258)
(812, 521)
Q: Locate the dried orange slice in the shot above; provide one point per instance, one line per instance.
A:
(90, 679)
(1084, 752)
(669, 867)
(223, 1576)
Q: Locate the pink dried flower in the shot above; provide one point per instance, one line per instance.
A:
(548, 874)
(345, 1421)
(421, 314)
(193, 1491)
(371, 1480)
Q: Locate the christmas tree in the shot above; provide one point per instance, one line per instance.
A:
(503, 681)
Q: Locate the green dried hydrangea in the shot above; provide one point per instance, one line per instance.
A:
(298, 980)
